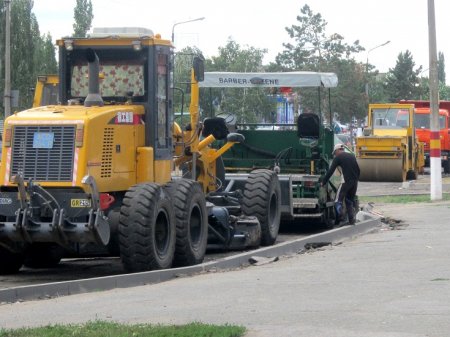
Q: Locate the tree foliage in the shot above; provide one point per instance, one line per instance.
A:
(182, 77)
(45, 56)
(441, 67)
(312, 49)
(402, 81)
(31, 54)
(83, 16)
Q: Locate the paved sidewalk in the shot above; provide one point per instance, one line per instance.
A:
(392, 283)
(419, 186)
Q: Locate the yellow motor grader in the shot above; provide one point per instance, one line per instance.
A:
(107, 165)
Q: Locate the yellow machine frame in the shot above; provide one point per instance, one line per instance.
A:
(389, 150)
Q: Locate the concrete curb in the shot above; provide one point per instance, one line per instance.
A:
(48, 290)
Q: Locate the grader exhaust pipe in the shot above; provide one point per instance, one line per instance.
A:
(93, 98)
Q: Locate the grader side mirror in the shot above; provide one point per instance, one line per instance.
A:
(199, 68)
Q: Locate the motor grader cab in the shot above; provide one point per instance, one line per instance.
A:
(97, 167)
(300, 152)
(389, 150)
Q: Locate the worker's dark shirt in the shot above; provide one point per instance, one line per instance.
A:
(350, 168)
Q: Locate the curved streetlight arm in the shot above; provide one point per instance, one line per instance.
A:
(367, 64)
(181, 22)
(367, 58)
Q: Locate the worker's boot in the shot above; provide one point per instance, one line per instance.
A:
(350, 211)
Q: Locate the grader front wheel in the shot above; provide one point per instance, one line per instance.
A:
(146, 229)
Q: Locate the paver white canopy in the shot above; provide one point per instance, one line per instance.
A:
(283, 79)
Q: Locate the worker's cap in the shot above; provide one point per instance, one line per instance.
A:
(338, 147)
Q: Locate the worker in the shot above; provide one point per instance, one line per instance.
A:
(347, 190)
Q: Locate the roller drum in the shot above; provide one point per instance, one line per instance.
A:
(382, 169)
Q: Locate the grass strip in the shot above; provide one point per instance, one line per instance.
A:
(400, 199)
(113, 329)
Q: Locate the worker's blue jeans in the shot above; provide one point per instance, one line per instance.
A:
(346, 193)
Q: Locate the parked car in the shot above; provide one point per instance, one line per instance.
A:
(339, 127)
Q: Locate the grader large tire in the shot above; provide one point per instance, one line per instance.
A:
(10, 263)
(262, 198)
(146, 229)
(43, 255)
(191, 220)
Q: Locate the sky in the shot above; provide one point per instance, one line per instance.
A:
(261, 24)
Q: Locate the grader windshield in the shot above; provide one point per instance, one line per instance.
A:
(122, 74)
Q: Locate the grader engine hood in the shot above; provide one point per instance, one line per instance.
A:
(50, 145)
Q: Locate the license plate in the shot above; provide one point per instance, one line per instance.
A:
(43, 140)
(76, 203)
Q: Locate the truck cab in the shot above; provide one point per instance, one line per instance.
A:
(423, 131)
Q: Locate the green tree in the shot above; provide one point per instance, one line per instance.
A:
(441, 67)
(83, 16)
(444, 92)
(24, 36)
(183, 61)
(45, 61)
(402, 81)
(312, 49)
(31, 54)
(349, 99)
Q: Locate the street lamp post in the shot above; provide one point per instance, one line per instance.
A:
(194, 154)
(7, 95)
(181, 22)
(367, 65)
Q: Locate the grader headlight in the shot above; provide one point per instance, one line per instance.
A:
(7, 136)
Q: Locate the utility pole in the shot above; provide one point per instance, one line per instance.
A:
(435, 141)
(7, 95)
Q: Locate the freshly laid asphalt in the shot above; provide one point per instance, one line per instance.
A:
(391, 282)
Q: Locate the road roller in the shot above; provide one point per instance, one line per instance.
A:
(388, 150)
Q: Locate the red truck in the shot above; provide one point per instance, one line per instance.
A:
(422, 125)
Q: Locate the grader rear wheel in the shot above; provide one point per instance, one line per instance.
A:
(191, 220)
(262, 198)
(146, 229)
